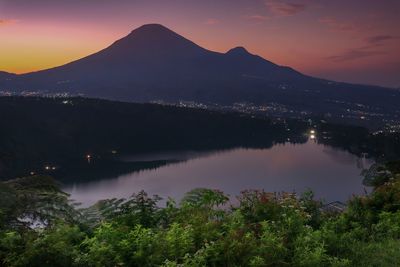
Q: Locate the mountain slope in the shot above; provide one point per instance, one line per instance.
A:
(6, 75)
(151, 58)
(155, 63)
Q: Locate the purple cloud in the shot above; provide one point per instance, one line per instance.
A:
(4, 22)
(370, 48)
(211, 21)
(378, 40)
(280, 8)
(256, 17)
(336, 25)
(354, 54)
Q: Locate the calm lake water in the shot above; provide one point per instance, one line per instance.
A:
(332, 174)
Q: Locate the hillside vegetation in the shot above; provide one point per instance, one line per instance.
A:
(61, 132)
(262, 229)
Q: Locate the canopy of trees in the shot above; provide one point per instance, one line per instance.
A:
(204, 229)
(60, 132)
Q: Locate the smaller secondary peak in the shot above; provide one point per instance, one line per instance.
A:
(240, 50)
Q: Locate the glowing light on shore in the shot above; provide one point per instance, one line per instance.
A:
(48, 168)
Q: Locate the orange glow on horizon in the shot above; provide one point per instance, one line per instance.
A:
(323, 39)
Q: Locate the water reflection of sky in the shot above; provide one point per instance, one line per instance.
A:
(332, 174)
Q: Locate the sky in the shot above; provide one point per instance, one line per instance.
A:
(355, 41)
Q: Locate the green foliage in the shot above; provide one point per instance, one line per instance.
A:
(388, 225)
(310, 250)
(49, 248)
(33, 199)
(271, 248)
(178, 241)
(311, 207)
(141, 247)
(385, 253)
(203, 197)
(104, 247)
(11, 245)
(138, 209)
(261, 229)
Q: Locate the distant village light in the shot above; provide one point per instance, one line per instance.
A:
(47, 167)
(312, 136)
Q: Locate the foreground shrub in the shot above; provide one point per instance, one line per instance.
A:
(259, 229)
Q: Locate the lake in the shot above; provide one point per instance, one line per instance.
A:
(331, 173)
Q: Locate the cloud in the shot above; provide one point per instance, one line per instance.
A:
(256, 17)
(336, 25)
(354, 54)
(379, 40)
(369, 49)
(211, 21)
(4, 22)
(281, 8)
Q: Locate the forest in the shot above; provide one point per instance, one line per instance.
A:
(61, 133)
(40, 227)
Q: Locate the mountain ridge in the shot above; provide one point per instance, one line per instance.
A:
(154, 63)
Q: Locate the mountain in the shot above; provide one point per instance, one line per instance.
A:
(155, 63)
(6, 76)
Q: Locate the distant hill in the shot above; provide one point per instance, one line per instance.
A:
(5, 75)
(155, 63)
(39, 131)
(61, 132)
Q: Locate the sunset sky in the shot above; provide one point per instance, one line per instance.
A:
(344, 40)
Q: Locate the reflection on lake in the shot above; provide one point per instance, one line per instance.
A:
(332, 174)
